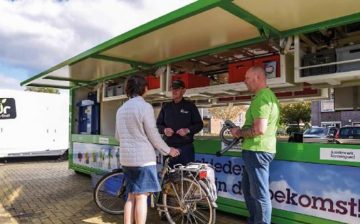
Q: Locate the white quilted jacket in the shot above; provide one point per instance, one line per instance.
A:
(137, 133)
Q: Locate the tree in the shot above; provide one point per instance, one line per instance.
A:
(295, 113)
(42, 89)
(229, 112)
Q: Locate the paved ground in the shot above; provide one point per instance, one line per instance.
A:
(47, 192)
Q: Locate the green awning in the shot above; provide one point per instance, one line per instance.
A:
(201, 28)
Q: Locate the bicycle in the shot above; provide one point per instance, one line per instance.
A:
(187, 194)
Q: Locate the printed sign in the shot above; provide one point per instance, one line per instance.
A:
(103, 140)
(327, 191)
(348, 155)
(228, 172)
(7, 108)
(327, 106)
(104, 157)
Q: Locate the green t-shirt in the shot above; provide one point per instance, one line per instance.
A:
(263, 105)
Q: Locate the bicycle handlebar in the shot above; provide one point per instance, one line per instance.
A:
(167, 160)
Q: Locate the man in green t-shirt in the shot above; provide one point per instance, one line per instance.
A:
(259, 146)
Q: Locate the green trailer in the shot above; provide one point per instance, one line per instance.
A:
(309, 50)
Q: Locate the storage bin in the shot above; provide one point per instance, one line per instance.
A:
(110, 91)
(225, 99)
(283, 94)
(119, 89)
(237, 71)
(271, 65)
(243, 98)
(191, 80)
(322, 57)
(348, 53)
(153, 82)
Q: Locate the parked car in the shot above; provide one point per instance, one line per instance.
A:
(319, 134)
(348, 135)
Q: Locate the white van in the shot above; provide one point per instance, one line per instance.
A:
(33, 124)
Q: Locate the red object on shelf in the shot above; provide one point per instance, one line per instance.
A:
(191, 80)
(237, 71)
(243, 98)
(153, 82)
(271, 64)
(283, 94)
(225, 99)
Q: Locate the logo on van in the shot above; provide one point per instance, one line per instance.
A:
(7, 108)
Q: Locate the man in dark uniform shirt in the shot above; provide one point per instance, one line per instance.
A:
(178, 121)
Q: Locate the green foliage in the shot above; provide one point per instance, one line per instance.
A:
(42, 89)
(295, 113)
(229, 112)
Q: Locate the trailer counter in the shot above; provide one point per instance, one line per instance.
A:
(309, 183)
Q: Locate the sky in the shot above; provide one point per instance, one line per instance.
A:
(329, 182)
(38, 34)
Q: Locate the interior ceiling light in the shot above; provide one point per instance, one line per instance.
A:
(204, 63)
(238, 56)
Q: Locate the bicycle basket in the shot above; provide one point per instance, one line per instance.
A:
(206, 172)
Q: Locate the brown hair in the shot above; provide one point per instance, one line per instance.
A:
(135, 86)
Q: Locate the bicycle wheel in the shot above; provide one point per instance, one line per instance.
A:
(187, 204)
(109, 193)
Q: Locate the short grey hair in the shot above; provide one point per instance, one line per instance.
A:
(258, 69)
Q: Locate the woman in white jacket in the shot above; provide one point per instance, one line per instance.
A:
(138, 137)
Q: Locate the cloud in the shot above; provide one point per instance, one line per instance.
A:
(327, 177)
(37, 35)
(9, 83)
(339, 194)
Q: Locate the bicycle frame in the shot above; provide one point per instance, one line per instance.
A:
(165, 170)
(192, 174)
(186, 185)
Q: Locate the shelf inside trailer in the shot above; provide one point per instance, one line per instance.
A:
(329, 57)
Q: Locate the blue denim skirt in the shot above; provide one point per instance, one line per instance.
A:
(141, 179)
